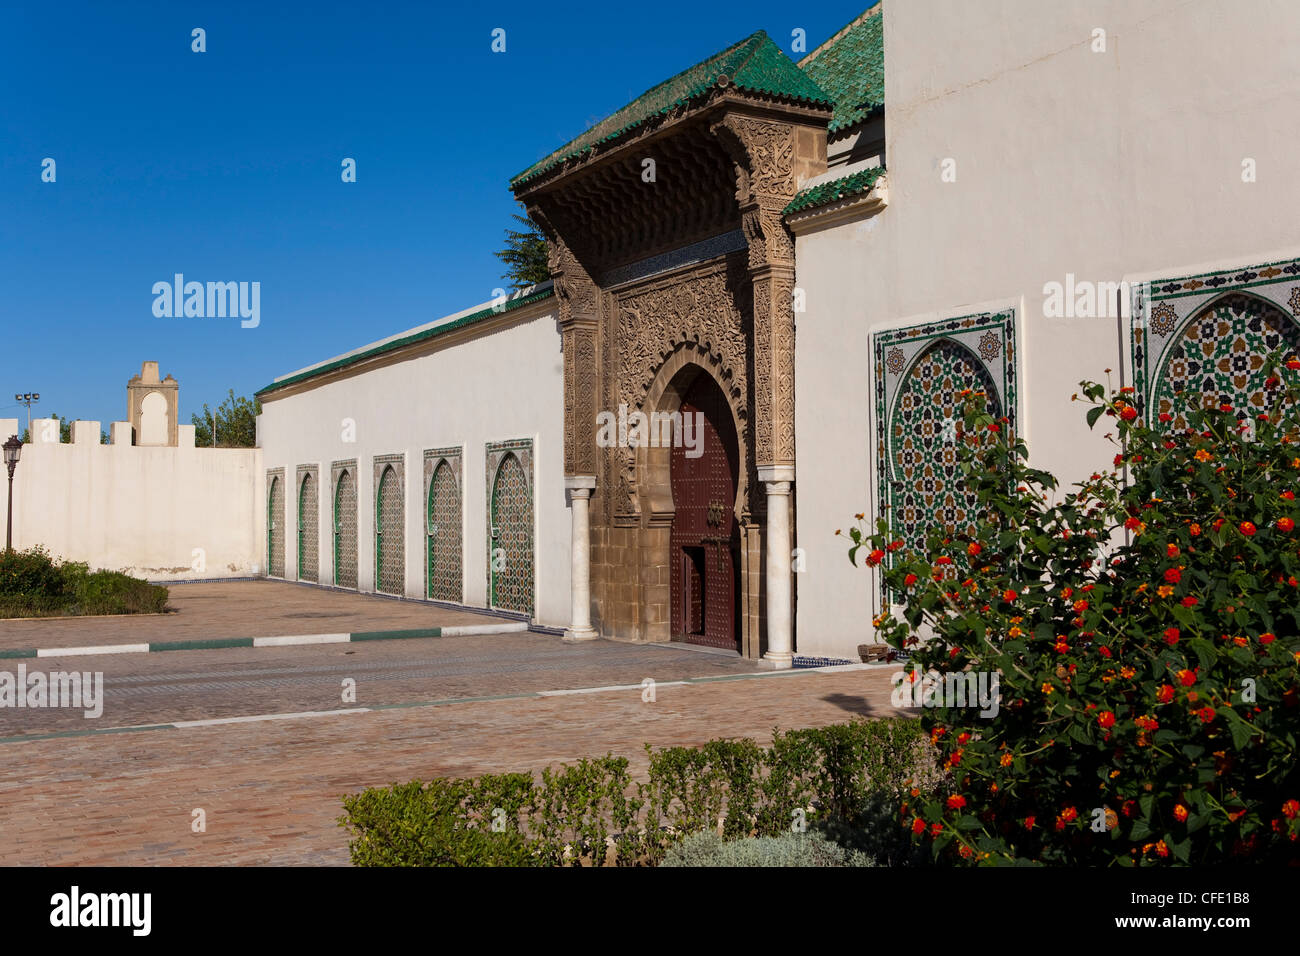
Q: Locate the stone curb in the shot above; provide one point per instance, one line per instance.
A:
(282, 641)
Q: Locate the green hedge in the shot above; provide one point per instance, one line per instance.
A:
(844, 780)
(32, 584)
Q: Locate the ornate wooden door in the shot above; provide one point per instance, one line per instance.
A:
(704, 542)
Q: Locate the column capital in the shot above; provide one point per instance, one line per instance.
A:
(771, 473)
(577, 483)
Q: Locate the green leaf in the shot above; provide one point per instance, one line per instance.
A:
(1094, 414)
(1240, 730)
(1205, 653)
(1182, 850)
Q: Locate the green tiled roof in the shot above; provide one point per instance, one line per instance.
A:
(850, 66)
(755, 64)
(845, 186)
(405, 340)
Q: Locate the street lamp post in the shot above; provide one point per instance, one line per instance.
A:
(28, 398)
(13, 451)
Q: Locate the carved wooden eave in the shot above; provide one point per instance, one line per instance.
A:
(849, 209)
(608, 215)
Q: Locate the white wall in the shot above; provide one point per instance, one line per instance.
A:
(1105, 165)
(143, 510)
(497, 387)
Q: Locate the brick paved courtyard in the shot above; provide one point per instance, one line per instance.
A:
(237, 609)
(271, 789)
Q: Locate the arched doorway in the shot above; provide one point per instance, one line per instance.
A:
(704, 543)
(345, 531)
(510, 561)
(928, 486)
(390, 553)
(444, 536)
(275, 529)
(308, 537)
(1219, 355)
(153, 420)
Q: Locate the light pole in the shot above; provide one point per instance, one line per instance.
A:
(28, 399)
(13, 451)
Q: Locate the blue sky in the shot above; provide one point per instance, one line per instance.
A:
(225, 166)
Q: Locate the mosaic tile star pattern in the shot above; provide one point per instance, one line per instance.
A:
(917, 414)
(390, 556)
(895, 361)
(444, 534)
(1219, 357)
(510, 532)
(928, 486)
(990, 346)
(275, 524)
(1208, 334)
(345, 527)
(308, 527)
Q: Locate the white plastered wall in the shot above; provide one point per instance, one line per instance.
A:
(497, 387)
(1108, 165)
(163, 513)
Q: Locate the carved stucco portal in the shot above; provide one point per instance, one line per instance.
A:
(728, 166)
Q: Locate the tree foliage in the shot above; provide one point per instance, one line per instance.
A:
(236, 420)
(1145, 627)
(525, 255)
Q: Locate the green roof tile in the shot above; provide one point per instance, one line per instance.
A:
(842, 188)
(405, 340)
(755, 64)
(850, 66)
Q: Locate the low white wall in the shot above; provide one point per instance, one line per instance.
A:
(158, 512)
(495, 387)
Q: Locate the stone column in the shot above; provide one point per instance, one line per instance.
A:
(580, 488)
(780, 644)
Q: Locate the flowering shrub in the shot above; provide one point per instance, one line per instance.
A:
(1146, 629)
